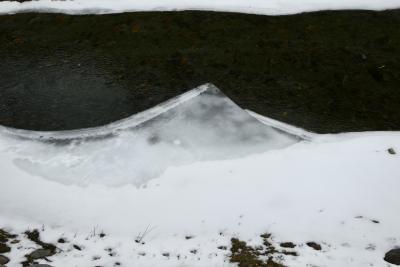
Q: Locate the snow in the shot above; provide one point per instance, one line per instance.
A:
(265, 7)
(299, 186)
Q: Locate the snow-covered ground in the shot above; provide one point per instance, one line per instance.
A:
(214, 172)
(265, 7)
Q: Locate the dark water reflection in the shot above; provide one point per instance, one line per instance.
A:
(60, 92)
(323, 71)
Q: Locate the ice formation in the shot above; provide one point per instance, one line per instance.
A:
(200, 125)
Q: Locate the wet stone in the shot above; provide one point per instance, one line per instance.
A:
(40, 253)
(290, 253)
(3, 260)
(287, 245)
(393, 256)
(4, 248)
(314, 245)
(5, 236)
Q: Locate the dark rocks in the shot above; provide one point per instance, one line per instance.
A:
(391, 151)
(3, 260)
(5, 236)
(96, 257)
(77, 247)
(33, 235)
(61, 240)
(4, 248)
(290, 253)
(393, 256)
(45, 250)
(287, 245)
(314, 245)
(41, 253)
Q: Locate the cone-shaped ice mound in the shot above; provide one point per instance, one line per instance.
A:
(202, 124)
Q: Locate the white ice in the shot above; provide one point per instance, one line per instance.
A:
(202, 124)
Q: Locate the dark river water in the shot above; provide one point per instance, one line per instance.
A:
(323, 71)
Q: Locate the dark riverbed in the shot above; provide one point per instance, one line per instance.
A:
(325, 71)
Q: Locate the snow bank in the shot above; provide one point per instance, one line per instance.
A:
(306, 192)
(265, 7)
(252, 179)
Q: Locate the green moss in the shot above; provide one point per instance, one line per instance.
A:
(260, 256)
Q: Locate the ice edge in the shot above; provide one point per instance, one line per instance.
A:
(111, 128)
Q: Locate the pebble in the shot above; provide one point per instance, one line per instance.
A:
(3, 260)
(4, 248)
(314, 245)
(287, 245)
(393, 256)
(40, 253)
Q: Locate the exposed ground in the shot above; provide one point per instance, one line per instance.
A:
(238, 252)
(325, 71)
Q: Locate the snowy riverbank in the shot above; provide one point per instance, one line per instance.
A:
(339, 191)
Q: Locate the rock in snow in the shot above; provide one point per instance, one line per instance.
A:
(4, 259)
(314, 245)
(393, 256)
(40, 253)
(4, 248)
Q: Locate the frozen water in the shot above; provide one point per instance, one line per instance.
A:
(202, 124)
